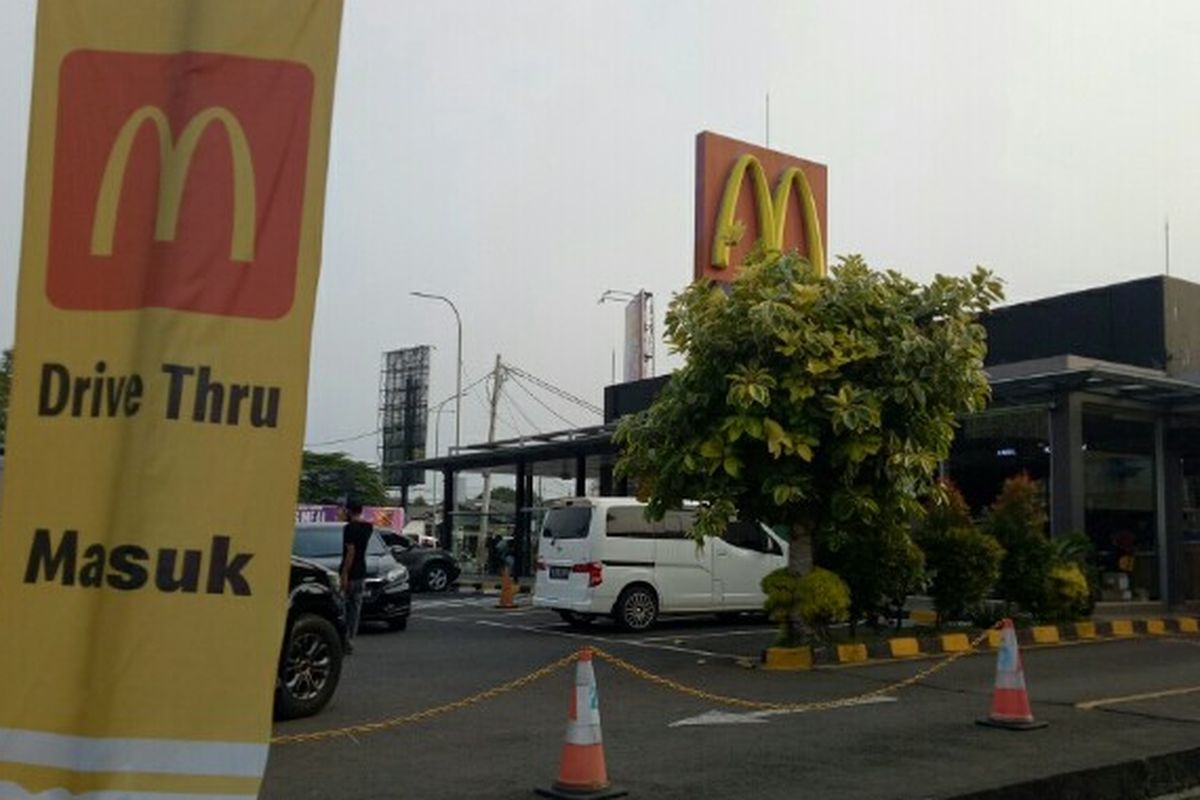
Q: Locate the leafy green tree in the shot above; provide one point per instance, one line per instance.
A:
(1017, 520)
(6, 368)
(821, 403)
(331, 477)
(503, 494)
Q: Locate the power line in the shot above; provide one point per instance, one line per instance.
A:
(549, 387)
(540, 402)
(511, 422)
(512, 402)
(365, 434)
(343, 440)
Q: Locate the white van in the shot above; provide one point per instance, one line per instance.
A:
(600, 556)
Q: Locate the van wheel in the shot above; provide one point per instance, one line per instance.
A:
(637, 608)
(576, 620)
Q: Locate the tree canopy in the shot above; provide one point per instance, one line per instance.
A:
(821, 403)
(333, 477)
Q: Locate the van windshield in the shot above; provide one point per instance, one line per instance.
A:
(567, 523)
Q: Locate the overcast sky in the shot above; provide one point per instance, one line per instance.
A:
(521, 157)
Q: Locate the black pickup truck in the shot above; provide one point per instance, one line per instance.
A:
(310, 661)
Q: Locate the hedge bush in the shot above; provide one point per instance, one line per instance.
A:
(1017, 520)
(1069, 596)
(819, 598)
(881, 567)
(961, 564)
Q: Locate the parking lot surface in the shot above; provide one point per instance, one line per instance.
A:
(1105, 702)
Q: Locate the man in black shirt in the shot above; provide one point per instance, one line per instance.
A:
(355, 536)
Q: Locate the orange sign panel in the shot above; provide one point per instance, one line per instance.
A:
(745, 194)
(189, 201)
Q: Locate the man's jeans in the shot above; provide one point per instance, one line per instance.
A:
(354, 598)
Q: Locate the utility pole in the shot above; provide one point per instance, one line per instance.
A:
(497, 381)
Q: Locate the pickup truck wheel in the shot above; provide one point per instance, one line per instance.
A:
(310, 669)
(637, 608)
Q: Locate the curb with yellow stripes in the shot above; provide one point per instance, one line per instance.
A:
(493, 587)
(899, 648)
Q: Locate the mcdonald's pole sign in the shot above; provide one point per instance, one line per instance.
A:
(746, 194)
(173, 207)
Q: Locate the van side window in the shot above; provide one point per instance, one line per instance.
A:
(748, 536)
(631, 521)
(678, 525)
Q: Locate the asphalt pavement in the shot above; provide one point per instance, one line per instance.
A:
(1106, 702)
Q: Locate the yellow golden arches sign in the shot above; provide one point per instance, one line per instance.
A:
(174, 161)
(723, 166)
(771, 211)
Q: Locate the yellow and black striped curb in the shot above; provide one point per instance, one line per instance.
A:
(491, 587)
(898, 648)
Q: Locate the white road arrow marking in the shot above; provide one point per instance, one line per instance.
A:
(758, 717)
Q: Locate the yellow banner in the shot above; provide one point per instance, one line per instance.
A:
(172, 239)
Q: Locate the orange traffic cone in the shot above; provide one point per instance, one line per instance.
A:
(1010, 701)
(508, 591)
(583, 774)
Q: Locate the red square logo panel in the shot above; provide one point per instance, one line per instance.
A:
(178, 183)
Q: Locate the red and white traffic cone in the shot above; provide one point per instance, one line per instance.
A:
(508, 591)
(583, 775)
(1010, 700)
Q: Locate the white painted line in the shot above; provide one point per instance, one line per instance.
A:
(609, 642)
(760, 717)
(714, 635)
(475, 602)
(720, 718)
(1134, 698)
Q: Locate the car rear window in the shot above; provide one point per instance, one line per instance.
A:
(326, 542)
(567, 523)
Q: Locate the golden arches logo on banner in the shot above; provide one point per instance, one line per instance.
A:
(175, 159)
(771, 209)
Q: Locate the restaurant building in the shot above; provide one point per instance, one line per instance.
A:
(1096, 394)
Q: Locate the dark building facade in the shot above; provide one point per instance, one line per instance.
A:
(1097, 394)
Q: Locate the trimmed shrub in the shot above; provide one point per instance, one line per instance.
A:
(819, 598)
(1069, 597)
(1077, 549)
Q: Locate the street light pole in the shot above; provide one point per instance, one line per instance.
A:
(458, 374)
(437, 429)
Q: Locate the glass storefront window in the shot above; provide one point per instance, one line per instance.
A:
(997, 445)
(1120, 503)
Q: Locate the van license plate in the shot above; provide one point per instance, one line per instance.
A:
(560, 573)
